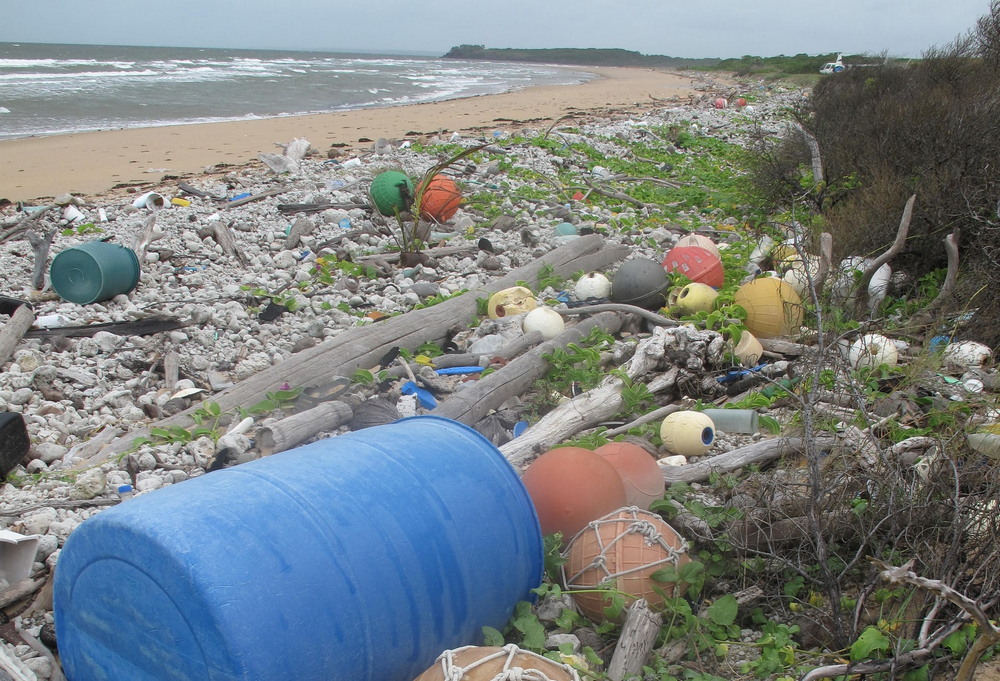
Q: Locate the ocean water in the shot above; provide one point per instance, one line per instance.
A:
(58, 89)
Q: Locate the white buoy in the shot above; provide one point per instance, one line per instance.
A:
(593, 285)
(872, 350)
(545, 320)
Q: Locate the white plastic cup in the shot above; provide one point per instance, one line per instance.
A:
(150, 200)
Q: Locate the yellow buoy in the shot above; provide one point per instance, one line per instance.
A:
(772, 305)
(696, 297)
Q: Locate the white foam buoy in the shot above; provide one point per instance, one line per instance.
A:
(872, 350)
(592, 285)
(545, 320)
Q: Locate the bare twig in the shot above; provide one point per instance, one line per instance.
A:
(614, 195)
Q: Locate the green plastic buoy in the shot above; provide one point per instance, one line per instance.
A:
(387, 191)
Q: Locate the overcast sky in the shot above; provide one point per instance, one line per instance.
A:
(692, 28)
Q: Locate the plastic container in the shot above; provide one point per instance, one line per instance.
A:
(734, 420)
(94, 271)
(358, 557)
(150, 200)
(17, 555)
(748, 349)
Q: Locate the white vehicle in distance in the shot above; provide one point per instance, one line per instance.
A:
(834, 66)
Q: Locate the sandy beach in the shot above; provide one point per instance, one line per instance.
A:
(91, 164)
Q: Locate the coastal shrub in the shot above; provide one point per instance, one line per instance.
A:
(888, 131)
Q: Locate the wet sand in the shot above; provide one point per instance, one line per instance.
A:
(95, 163)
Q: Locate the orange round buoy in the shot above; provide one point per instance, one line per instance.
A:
(621, 551)
(570, 487)
(639, 472)
(487, 663)
(740, 103)
(697, 264)
(440, 200)
(773, 307)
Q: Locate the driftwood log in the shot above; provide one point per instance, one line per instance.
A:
(13, 331)
(639, 633)
(757, 453)
(363, 346)
(590, 408)
(290, 431)
(473, 403)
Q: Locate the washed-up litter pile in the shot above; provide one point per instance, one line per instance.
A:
(523, 284)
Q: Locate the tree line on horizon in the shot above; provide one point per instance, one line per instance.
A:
(747, 64)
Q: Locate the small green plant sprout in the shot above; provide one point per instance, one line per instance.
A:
(82, 230)
(281, 399)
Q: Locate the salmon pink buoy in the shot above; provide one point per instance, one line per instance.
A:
(622, 550)
(699, 240)
(570, 487)
(642, 478)
(720, 103)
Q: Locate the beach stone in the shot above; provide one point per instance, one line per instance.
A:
(38, 522)
(88, 484)
(41, 666)
(556, 641)
(49, 452)
(21, 396)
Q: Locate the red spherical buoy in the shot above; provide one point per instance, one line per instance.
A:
(720, 103)
(570, 487)
(440, 200)
(696, 263)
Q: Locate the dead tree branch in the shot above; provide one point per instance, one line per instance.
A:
(861, 296)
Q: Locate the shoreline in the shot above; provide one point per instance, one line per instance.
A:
(97, 163)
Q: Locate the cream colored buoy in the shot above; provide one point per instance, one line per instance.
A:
(690, 433)
(511, 301)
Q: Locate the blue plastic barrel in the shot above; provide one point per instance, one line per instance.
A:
(362, 556)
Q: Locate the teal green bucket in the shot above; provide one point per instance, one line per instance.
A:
(94, 271)
(360, 557)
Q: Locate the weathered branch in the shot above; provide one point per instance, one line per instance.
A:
(362, 347)
(639, 632)
(13, 331)
(951, 248)
(488, 393)
(861, 296)
(614, 195)
(753, 454)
